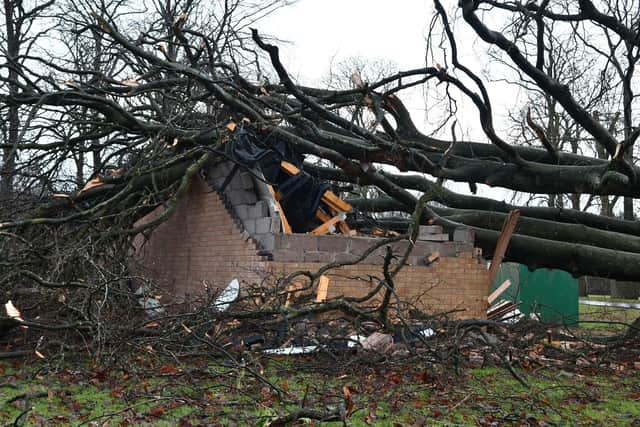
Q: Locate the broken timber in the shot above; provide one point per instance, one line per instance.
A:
(323, 289)
(338, 207)
(508, 227)
(495, 294)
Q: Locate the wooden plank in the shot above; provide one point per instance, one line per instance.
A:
(330, 199)
(335, 202)
(432, 258)
(503, 242)
(501, 310)
(283, 218)
(322, 216)
(292, 293)
(495, 294)
(323, 289)
(289, 168)
(344, 228)
(326, 226)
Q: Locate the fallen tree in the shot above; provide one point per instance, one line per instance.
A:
(153, 118)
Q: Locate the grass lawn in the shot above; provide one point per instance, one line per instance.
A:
(600, 315)
(149, 391)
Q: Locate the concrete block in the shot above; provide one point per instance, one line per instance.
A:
(625, 289)
(260, 209)
(282, 241)
(447, 249)
(250, 225)
(361, 244)
(267, 241)
(425, 248)
(434, 237)
(276, 226)
(242, 211)
(398, 248)
(464, 247)
(246, 180)
(216, 171)
(235, 184)
(333, 244)
(240, 197)
(263, 225)
(285, 255)
(344, 257)
(318, 257)
(302, 242)
(217, 182)
(429, 229)
(464, 234)
(376, 257)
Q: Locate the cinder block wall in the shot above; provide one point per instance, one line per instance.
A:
(203, 241)
(339, 248)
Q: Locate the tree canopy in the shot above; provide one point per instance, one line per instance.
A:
(127, 105)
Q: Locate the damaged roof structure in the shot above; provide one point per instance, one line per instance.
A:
(256, 213)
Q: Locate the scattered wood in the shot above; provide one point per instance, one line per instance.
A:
(500, 309)
(338, 207)
(430, 259)
(293, 292)
(508, 227)
(323, 289)
(499, 291)
(328, 226)
(335, 202)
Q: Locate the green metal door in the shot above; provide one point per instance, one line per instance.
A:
(552, 294)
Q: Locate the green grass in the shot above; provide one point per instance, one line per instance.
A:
(600, 315)
(201, 393)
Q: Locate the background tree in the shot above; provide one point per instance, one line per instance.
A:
(23, 26)
(175, 79)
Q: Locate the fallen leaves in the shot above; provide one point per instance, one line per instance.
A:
(146, 393)
(168, 369)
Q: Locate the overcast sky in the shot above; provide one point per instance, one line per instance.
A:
(322, 33)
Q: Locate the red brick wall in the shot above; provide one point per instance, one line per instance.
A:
(200, 242)
(449, 284)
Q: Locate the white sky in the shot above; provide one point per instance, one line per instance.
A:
(322, 30)
(322, 33)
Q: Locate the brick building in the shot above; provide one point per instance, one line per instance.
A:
(214, 236)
